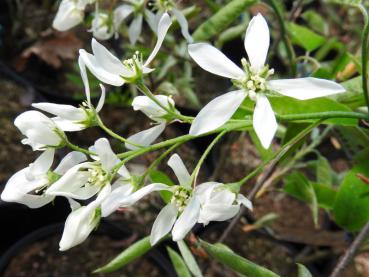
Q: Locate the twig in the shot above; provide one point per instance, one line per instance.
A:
(350, 252)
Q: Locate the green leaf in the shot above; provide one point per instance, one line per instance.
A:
(353, 139)
(299, 186)
(351, 207)
(323, 171)
(236, 262)
(303, 271)
(353, 97)
(345, 2)
(222, 19)
(189, 259)
(134, 251)
(265, 154)
(157, 176)
(178, 263)
(315, 21)
(325, 195)
(304, 37)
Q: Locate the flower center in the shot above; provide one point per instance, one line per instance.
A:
(97, 177)
(134, 64)
(253, 81)
(181, 197)
(164, 5)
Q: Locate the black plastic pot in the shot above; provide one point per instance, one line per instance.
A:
(105, 228)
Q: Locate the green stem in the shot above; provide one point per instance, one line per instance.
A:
(364, 53)
(113, 134)
(79, 149)
(322, 115)
(276, 157)
(290, 51)
(204, 155)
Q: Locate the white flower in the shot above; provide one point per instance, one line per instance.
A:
(168, 6)
(110, 70)
(101, 27)
(27, 185)
(84, 180)
(69, 118)
(154, 112)
(82, 220)
(70, 14)
(124, 11)
(218, 203)
(252, 82)
(40, 131)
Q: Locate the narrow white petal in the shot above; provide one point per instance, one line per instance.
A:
(186, 220)
(82, 69)
(70, 160)
(244, 201)
(120, 14)
(106, 155)
(180, 170)
(204, 191)
(153, 20)
(163, 27)
(150, 108)
(264, 122)
(211, 59)
(64, 111)
(163, 223)
(43, 163)
(102, 99)
(145, 137)
(68, 125)
(257, 41)
(183, 23)
(217, 212)
(68, 16)
(217, 112)
(135, 29)
(137, 195)
(112, 202)
(305, 88)
(109, 77)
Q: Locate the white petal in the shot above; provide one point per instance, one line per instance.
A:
(203, 191)
(257, 41)
(264, 122)
(186, 220)
(211, 59)
(18, 187)
(102, 99)
(244, 201)
(43, 163)
(64, 111)
(150, 108)
(124, 173)
(105, 76)
(163, 27)
(153, 20)
(121, 13)
(217, 212)
(145, 137)
(67, 16)
(82, 69)
(137, 195)
(70, 160)
(163, 223)
(135, 28)
(112, 202)
(106, 155)
(305, 88)
(68, 125)
(217, 112)
(183, 23)
(180, 170)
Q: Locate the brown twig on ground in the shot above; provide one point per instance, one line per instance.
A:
(350, 252)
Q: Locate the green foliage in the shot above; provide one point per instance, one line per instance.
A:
(157, 176)
(315, 21)
(303, 271)
(189, 259)
(323, 171)
(221, 20)
(236, 262)
(351, 208)
(178, 263)
(304, 37)
(134, 251)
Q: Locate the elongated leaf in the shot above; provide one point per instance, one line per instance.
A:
(189, 259)
(157, 176)
(304, 37)
(222, 19)
(178, 263)
(299, 186)
(345, 2)
(323, 171)
(303, 271)
(236, 262)
(134, 251)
